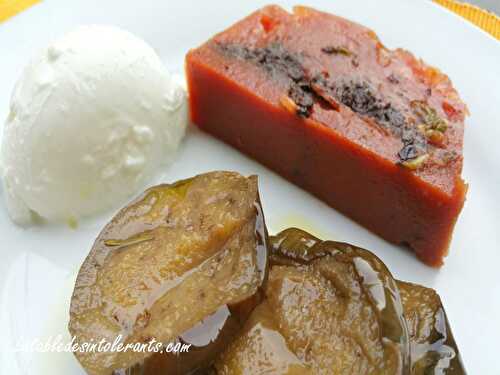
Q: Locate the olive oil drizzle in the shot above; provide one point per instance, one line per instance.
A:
(134, 240)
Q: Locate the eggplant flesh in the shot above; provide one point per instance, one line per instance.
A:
(333, 308)
(184, 263)
(260, 349)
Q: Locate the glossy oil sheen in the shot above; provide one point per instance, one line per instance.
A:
(209, 228)
(216, 331)
(418, 310)
(296, 247)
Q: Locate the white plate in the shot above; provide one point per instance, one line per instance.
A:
(38, 265)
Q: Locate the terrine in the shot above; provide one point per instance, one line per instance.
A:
(375, 133)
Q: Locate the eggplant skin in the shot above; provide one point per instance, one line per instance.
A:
(433, 348)
(179, 262)
(281, 334)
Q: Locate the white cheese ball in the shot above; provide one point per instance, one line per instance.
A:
(92, 119)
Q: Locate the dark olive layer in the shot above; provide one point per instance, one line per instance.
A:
(308, 88)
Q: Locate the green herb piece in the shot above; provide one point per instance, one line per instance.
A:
(429, 116)
(415, 163)
(129, 241)
(332, 50)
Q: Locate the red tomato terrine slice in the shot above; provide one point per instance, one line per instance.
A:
(375, 133)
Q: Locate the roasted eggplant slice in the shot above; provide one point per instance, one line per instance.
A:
(182, 263)
(332, 308)
(338, 306)
(432, 347)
